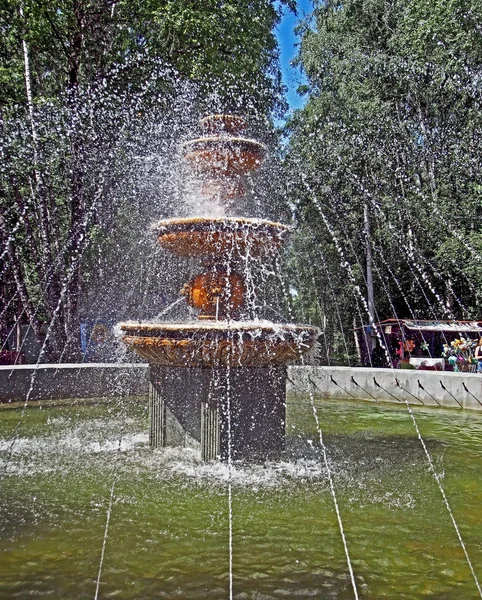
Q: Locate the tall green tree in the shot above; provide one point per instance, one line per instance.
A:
(388, 142)
(92, 89)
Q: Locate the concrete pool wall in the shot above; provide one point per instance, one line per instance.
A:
(83, 380)
(89, 380)
(429, 388)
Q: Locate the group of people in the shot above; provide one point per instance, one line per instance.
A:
(380, 357)
(464, 354)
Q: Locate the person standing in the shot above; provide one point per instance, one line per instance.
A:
(379, 356)
(478, 355)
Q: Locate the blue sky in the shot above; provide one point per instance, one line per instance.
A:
(287, 41)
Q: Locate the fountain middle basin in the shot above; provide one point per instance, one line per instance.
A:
(228, 237)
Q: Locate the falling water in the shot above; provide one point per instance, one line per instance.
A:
(136, 294)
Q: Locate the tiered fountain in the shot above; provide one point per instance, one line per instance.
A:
(220, 381)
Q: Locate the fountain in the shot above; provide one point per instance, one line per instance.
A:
(87, 510)
(220, 381)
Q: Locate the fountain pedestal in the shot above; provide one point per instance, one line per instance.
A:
(219, 383)
(225, 411)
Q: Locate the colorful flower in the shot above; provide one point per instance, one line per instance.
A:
(409, 345)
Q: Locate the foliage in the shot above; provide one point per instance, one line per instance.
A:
(92, 96)
(391, 131)
(227, 47)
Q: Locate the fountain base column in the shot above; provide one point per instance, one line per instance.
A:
(252, 408)
(157, 416)
(237, 412)
(174, 406)
(210, 430)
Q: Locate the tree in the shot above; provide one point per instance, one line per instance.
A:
(392, 125)
(90, 85)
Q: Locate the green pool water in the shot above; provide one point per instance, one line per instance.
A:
(168, 534)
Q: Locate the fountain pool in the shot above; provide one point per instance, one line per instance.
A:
(77, 466)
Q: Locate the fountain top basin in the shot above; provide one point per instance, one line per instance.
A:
(203, 236)
(223, 155)
(219, 343)
(220, 123)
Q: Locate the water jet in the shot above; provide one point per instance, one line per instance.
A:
(222, 379)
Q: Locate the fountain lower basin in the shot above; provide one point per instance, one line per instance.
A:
(168, 532)
(219, 343)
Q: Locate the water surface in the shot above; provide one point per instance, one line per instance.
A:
(168, 529)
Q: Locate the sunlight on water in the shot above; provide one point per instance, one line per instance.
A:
(168, 532)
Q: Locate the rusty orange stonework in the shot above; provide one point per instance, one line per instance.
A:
(215, 295)
(221, 157)
(234, 345)
(221, 238)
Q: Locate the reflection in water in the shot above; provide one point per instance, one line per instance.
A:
(168, 533)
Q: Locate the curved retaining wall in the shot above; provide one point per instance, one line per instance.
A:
(85, 380)
(429, 388)
(90, 380)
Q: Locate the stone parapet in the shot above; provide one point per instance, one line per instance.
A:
(429, 388)
(85, 380)
(90, 380)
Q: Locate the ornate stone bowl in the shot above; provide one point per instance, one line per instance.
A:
(221, 237)
(222, 156)
(219, 343)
